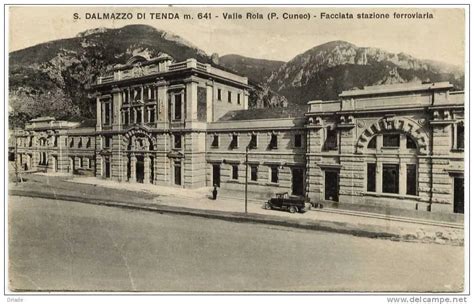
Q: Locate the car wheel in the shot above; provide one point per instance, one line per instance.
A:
(292, 209)
(268, 206)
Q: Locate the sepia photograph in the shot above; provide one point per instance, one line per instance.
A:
(236, 149)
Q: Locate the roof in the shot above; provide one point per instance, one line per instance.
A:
(397, 88)
(265, 113)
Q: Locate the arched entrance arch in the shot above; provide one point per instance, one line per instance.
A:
(140, 147)
(395, 124)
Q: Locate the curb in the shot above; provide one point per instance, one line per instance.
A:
(364, 214)
(392, 218)
(369, 231)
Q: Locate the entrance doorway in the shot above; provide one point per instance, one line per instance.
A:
(177, 172)
(107, 167)
(458, 195)
(297, 181)
(216, 175)
(331, 186)
(140, 169)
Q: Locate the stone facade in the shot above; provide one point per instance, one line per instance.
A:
(186, 124)
(398, 146)
(55, 146)
(276, 155)
(152, 118)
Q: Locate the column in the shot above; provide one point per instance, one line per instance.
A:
(99, 113)
(125, 161)
(246, 100)
(402, 184)
(378, 176)
(209, 103)
(403, 142)
(133, 168)
(117, 105)
(146, 169)
(379, 142)
(162, 101)
(190, 100)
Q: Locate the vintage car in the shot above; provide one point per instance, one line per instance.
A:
(293, 204)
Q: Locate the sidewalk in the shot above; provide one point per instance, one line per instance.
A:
(356, 223)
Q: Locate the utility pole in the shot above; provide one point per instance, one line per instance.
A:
(246, 175)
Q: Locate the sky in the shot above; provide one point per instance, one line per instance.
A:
(440, 38)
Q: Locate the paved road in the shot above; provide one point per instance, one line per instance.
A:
(61, 245)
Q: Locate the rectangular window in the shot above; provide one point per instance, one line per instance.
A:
(298, 141)
(151, 93)
(331, 140)
(132, 116)
(274, 174)
(139, 115)
(215, 141)
(460, 136)
(273, 142)
(229, 97)
(412, 183)
(107, 113)
(390, 178)
(371, 180)
(391, 140)
(177, 107)
(219, 94)
(254, 173)
(238, 98)
(177, 141)
(137, 94)
(152, 114)
(235, 172)
(253, 141)
(107, 141)
(234, 142)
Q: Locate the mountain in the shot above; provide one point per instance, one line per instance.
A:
(258, 70)
(51, 78)
(328, 69)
